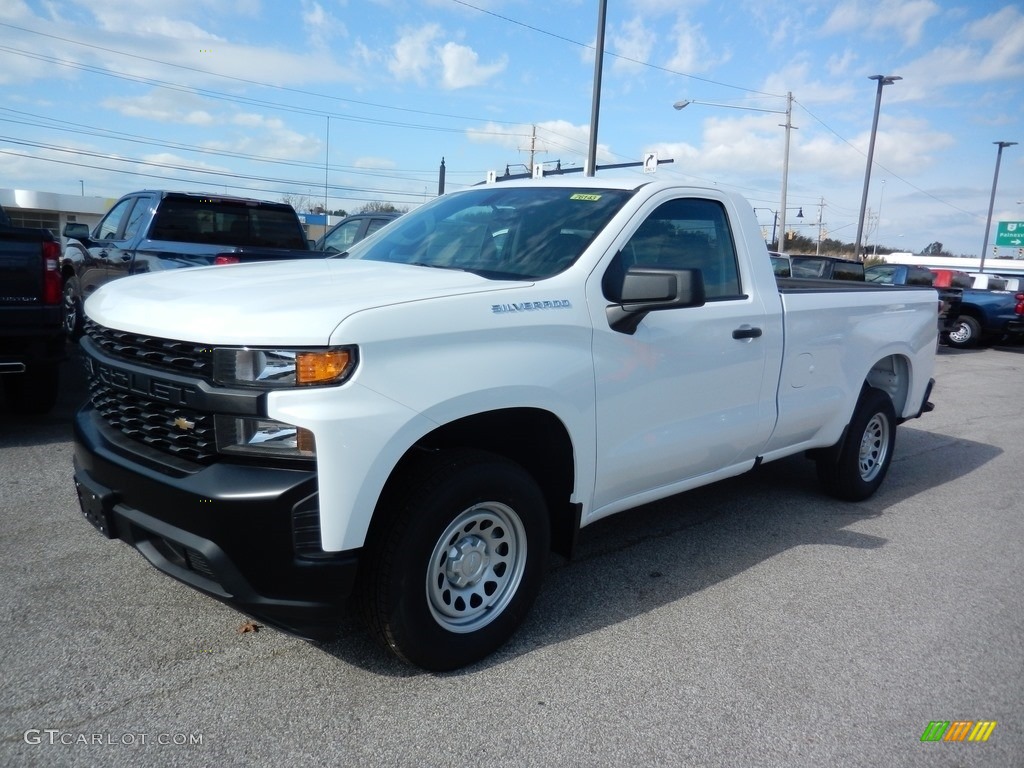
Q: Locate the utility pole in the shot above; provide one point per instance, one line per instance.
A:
(785, 171)
(821, 206)
(533, 148)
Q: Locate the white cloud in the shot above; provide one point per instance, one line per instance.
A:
(412, 55)
(461, 67)
(905, 19)
(322, 28)
(634, 41)
(163, 106)
(692, 52)
(374, 163)
(416, 55)
(555, 140)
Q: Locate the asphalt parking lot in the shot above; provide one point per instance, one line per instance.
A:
(755, 622)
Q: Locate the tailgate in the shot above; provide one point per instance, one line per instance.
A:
(21, 268)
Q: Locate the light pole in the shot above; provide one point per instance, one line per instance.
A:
(788, 112)
(992, 200)
(883, 80)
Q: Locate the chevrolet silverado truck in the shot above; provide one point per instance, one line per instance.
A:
(31, 328)
(983, 315)
(417, 425)
(153, 231)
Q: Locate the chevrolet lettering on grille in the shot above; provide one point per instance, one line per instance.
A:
(143, 384)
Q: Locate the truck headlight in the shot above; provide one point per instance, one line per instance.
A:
(274, 368)
(247, 436)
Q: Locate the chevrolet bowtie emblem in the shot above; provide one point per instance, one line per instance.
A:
(182, 423)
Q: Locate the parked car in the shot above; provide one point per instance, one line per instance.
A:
(906, 274)
(417, 425)
(153, 231)
(352, 229)
(984, 315)
(826, 268)
(31, 324)
(780, 264)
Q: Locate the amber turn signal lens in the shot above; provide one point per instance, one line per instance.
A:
(321, 367)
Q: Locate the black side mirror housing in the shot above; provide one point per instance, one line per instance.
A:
(640, 290)
(76, 231)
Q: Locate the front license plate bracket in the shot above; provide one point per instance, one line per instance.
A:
(97, 507)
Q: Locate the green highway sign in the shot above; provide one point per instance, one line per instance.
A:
(1010, 234)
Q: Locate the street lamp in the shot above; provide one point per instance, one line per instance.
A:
(883, 80)
(992, 200)
(788, 112)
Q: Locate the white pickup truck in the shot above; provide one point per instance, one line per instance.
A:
(417, 423)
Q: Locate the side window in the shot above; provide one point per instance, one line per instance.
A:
(343, 236)
(880, 274)
(108, 227)
(135, 218)
(689, 233)
(374, 225)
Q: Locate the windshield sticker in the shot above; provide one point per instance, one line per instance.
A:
(530, 306)
(584, 196)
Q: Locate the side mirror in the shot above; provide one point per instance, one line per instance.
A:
(76, 231)
(640, 290)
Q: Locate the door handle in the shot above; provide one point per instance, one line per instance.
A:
(746, 332)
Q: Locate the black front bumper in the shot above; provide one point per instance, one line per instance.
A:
(246, 535)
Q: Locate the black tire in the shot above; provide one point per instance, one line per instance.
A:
(73, 321)
(34, 391)
(454, 565)
(856, 467)
(965, 333)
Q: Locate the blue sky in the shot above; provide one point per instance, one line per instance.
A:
(359, 101)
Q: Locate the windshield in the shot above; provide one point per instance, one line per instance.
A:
(512, 233)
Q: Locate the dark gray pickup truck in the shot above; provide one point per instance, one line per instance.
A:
(151, 231)
(31, 327)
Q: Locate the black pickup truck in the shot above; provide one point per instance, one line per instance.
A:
(151, 231)
(31, 326)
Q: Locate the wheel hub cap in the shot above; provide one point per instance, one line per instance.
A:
(467, 561)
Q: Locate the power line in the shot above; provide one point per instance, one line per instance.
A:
(610, 53)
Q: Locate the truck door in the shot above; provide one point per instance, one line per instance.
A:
(97, 255)
(121, 250)
(690, 392)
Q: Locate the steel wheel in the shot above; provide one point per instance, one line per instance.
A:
(874, 447)
(454, 557)
(855, 467)
(476, 567)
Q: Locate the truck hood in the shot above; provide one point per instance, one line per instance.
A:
(295, 303)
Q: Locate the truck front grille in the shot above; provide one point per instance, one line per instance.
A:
(167, 354)
(172, 429)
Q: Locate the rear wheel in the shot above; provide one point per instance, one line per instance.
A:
(965, 333)
(455, 564)
(856, 467)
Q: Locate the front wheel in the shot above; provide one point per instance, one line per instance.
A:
(456, 561)
(856, 470)
(73, 323)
